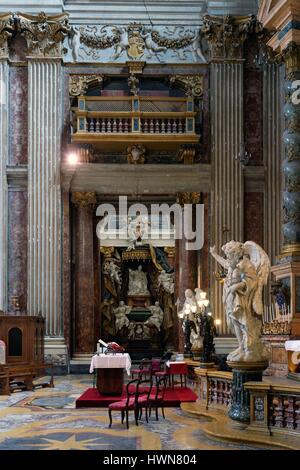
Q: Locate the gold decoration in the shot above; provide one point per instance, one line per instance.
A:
(292, 249)
(277, 328)
(107, 251)
(44, 33)
(136, 255)
(187, 154)
(136, 154)
(6, 30)
(135, 67)
(193, 84)
(78, 84)
(226, 35)
(170, 250)
(81, 199)
(188, 198)
(133, 83)
(136, 44)
(291, 56)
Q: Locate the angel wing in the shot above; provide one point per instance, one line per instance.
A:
(261, 261)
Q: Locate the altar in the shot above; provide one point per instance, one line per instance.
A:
(109, 369)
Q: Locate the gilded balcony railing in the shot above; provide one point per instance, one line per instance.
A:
(139, 115)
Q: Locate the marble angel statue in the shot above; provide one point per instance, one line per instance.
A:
(166, 281)
(113, 271)
(248, 268)
(138, 284)
(120, 313)
(157, 316)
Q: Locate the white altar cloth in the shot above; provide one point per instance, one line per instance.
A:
(292, 345)
(111, 361)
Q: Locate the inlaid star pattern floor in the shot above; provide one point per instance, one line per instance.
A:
(46, 419)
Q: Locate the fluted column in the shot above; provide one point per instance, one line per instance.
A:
(84, 273)
(4, 73)
(44, 35)
(227, 173)
(44, 193)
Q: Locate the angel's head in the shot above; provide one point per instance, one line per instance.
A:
(233, 250)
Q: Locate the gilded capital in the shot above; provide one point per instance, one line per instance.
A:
(78, 84)
(193, 84)
(81, 199)
(44, 33)
(291, 57)
(6, 30)
(226, 35)
(188, 198)
(107, 251)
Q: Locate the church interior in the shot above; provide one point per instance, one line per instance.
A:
(150, 225)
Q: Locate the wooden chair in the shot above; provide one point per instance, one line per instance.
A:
(156, 400)
(143, 392)
(144, 369)
(126, 405)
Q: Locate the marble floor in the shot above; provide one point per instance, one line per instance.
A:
(46, 419)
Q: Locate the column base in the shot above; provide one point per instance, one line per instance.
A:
(243, 372)
(56, 352)
(80, 363)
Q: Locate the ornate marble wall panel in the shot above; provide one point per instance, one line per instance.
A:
(272, 151)
(254, 217)
(44, 194)
(253, 105)
(4, 76)
(17, 249)
(66, 268)
(18, 96)
(227, 175)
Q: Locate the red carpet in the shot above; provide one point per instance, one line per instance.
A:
(91, 398)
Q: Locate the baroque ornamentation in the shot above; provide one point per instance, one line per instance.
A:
(193, 84)
(187, 153)
(226, 35)
(188, 198)
(135, 39)
(291, 57)
(136, 154)
(84, 199)
(78, 84)
(44, 33)
(6, 30)
(108, 251)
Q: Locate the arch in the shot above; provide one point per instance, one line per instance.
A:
(15, 342)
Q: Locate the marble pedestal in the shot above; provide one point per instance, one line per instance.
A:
(243, 372)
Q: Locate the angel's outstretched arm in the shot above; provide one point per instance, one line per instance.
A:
(222, 261)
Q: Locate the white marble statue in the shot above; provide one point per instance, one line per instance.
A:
(190, 304)
(123, 44)
(114, 272)
(74, 43)
(120, 313)
(157, 316)
(137, 230)
(248, 268)
(138, 284)
(166, 281)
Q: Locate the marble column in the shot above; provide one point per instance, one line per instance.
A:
(272, 154)
(84, 274)
(291, 164)
(4, 74)
(228, 179)
(186, 270)
(17, 189)
(44, 193)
